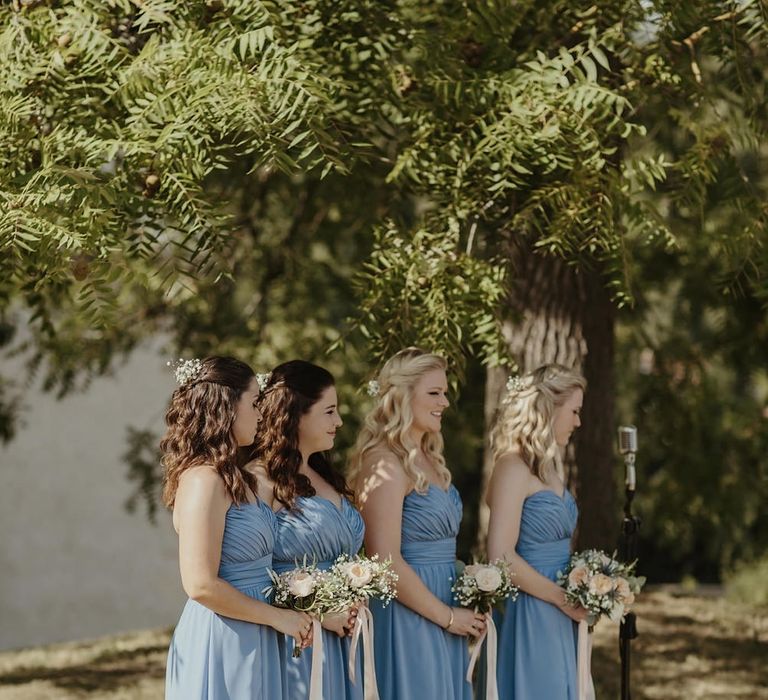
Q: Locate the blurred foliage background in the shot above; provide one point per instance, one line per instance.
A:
(504, 182)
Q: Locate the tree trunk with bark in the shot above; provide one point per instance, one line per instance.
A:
(561, 313)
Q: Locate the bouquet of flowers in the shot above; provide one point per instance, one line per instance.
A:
(348, 581)
(483, 586)
(352, 579)
(302, 588)
(601, 584)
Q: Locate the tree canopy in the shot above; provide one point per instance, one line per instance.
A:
(279, 178)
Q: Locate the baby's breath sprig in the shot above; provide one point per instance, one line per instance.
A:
(262, 379)
(185, 371)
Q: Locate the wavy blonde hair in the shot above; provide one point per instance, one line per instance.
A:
(387, 425)
(525, 420)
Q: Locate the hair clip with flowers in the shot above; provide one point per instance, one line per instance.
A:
(185, 370)
(515, 384)
(262, 379)
(373, 388)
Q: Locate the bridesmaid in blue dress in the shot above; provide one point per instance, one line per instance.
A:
(316, 518)
(226, 645)
(412, 513)
(532, 519)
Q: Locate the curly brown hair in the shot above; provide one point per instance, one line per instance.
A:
(199, 423)
(293, 388)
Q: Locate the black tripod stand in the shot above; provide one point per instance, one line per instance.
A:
(628, 629)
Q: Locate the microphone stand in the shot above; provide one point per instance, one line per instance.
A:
(629, 529)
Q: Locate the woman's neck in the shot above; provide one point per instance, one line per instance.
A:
(416, 436)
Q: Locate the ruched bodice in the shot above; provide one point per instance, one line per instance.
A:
(546, 527)
(318, 529)
(246, 547)
(537, 641)
(430, 525)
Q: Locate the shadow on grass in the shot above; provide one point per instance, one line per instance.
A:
(683, 656)
(110, 670)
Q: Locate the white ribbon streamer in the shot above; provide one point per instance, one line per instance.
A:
(586, 687)
(491, 687)
(364, 630)
(316, 674)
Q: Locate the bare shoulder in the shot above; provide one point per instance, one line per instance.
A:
(386, 463)
(382, 470)
(202, 482)
(511, 472)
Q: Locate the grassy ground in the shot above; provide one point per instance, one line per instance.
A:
(697, 647)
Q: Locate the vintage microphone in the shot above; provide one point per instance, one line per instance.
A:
(629, 527)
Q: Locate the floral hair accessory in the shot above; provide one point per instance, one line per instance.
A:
(515, 383)
(186, 370)
(262, 379)
(373, 388)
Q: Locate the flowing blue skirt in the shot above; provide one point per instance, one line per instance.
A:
(537, 643)
(415, 658)
(213, 657)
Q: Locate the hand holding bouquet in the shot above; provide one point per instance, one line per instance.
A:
(300, 589)
(481, 587)
(357, 579)
(600, 584)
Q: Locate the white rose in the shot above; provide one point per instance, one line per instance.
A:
(488, 579)
(301, 584)
(357, 573)
(472, 569)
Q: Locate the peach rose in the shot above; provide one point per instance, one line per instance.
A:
(578, 575)
(357, 573)
(600, 584)
(622, 588)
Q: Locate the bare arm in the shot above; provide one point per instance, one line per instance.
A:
(199, 516)
(384, 487)
(509, 486)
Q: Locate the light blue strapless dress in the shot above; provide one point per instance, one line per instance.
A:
(213, 657)
(415, 658)
(321, 531)
(537, 642)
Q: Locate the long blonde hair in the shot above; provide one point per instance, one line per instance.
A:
(525, 419)
(388, 423)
